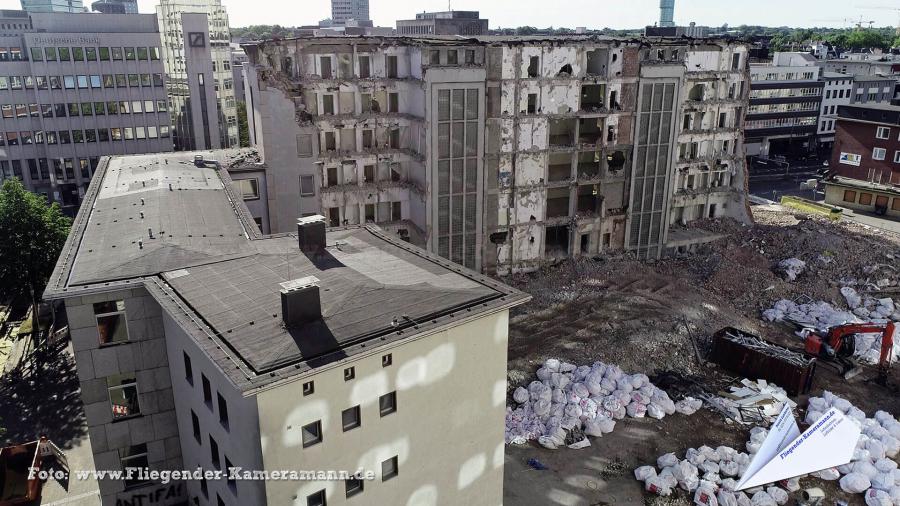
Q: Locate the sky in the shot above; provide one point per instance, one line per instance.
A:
(572, 13)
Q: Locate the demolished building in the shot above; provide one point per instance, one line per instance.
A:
(502, 153)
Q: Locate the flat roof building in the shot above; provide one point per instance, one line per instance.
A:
(867, 143)
(444, 23)
(70, 6)
(200, 342)
(73, 88)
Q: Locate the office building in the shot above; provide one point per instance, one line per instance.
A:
(201, 343)
(498, 165)
(197, 59)
(346, 10)
(785, 100)
(444, 23)
(115, 6)
(666, 13)
(69, 6)
(75, 87)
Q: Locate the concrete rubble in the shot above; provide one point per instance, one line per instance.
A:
(590, 398)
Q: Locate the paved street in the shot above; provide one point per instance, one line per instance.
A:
(42, 391)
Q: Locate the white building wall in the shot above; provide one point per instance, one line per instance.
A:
(447, 432)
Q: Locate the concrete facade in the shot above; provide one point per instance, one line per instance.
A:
(863, 196)
(841, 89)
(534, 142)
(73, 88)
(444, 23)
(141, 360)
(785, 100)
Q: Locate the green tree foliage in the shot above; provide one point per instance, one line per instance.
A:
(32, 235)
(865, 39)
(243, 126)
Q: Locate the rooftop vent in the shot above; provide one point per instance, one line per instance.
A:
(198, 161)
(300, 301)
(311, 234)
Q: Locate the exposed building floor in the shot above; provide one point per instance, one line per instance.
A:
(636, 315)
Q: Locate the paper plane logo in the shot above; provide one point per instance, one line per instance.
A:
(787, 453)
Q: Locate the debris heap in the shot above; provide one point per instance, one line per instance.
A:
(567, 398)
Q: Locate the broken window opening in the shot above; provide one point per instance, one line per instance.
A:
(556, 240)
(589, 199)
(532, 103)
(562, 132)
(614, 100)
(696, 93)
(334, 217)
(592, 97)
(368, 139)
(533, 64)
(370, 213)
(557, 202)
(588, 164)
(329, 142)
(590, 131)
(585, 241)
(395, 138)
(391, 64)
(498, 237)
(364, 70)
(559, 167)
(615, 161)
(325, 65)
(565, 71)
(611, 134)
(369, 173)
(596, 62)
(331, 176)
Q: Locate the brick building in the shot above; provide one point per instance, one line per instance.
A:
(867, 143)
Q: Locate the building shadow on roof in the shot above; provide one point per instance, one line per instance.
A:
(317, 345)
(41, 396)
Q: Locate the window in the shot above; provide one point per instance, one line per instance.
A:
(129, 53)
(90, 53)
(470, 56)
(327, 104)
(317, 499)
(214, 453)
(391, 65)
(232, 483)
(849, 196)
(223, 410)
(312, 434)
(865, 199)
(308, 388)
(63, 54)
(389, 469)
(325, 65)
(350, 418)
(249, 188)
(878, 153)
(134, 457)
(307, 187)
(111, 324)
(882, 133)
(533, 65)
(895, 204)
(393, 102)
(364, 70)
(304, 145)
(896, 156)
(123, 395)
(142, 54)
(386, 360)
(452, 57)
(82, 82)
(353, 486)
(387, 403)
(104, 54)
(195, 423)
(349, 373)
(69, 82)
(207, 390)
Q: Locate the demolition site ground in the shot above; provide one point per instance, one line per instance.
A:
(657, 318)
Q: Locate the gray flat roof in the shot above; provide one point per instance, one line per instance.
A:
(211, 269)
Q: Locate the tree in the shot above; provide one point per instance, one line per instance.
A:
(32, 235)
(243, 126)
(864, 39)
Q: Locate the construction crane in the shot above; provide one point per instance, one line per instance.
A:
(885, 8)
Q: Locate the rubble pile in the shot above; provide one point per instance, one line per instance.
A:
(821, 316)
(792, 267)
(711, 475)
(873, 470)
(567, 398)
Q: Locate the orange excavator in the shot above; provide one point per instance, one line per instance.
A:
(839, 345)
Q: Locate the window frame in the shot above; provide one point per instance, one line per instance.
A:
(316, 437)
(880, 129)
(394, 462)
(353, 424)
(879, 154)
(118, 312)
(392, 408)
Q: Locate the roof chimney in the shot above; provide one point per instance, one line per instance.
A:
(300, 301)
(311, 234)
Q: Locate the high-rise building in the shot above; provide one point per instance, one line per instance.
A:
(343, 10)
(197, 59)
(75, 87)
(52, 5)
(443, 23)
(666, 13)
(115, 6)
(586, 146)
